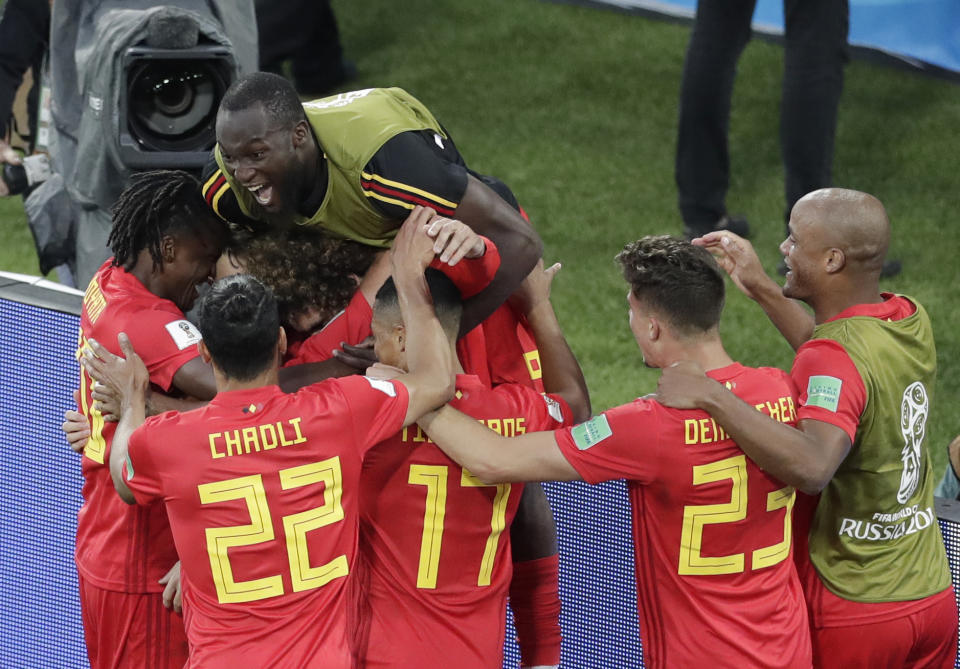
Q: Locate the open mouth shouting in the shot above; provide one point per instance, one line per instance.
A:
(263, 193)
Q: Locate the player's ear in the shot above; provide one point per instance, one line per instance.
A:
(204, 351)
(300, 133)
(653, 329)
(168, 248)
(836, 260)
(400, 337)
(282, 343)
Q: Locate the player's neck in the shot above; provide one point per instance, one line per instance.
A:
(226, 384)
(707, 352)
(838, 299)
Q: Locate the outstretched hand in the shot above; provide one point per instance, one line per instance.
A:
(454, 240)
(535, 289)
(683, 385)
(125, 377)
(737, 258)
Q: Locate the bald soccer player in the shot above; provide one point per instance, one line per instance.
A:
(875, 576)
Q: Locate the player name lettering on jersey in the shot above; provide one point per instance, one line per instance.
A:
(706, 430)
(93, 301)
(506, 427)
(255, 439)
(914, 519)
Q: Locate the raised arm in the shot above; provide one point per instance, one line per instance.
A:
(129, 375)
(519, 244)
(561, 372)
(430, 381)
(737, 257)
(805, 457)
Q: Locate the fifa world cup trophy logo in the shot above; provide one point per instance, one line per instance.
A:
(913, 421)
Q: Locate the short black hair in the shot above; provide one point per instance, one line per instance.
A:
(156, 204)
(277, 95)
(677, 279)
(447, 302)
(240, 326)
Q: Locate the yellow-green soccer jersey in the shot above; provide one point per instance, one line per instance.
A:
(351, 128)
(875, 535)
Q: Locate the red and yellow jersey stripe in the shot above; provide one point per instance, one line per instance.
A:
(403, 195)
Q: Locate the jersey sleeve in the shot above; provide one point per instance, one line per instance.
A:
(472, 275)
(415, 168)
(352, 325)
(830, 387)
(377, 408)
(166, 341)
(622, 443)
(139, 471)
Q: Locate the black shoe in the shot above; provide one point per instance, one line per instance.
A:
(736, 224)
(891, 267)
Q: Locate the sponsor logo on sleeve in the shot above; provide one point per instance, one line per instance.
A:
(553, 408)
(591, 433)
(824, 392)
(183, 333)
(384, 387)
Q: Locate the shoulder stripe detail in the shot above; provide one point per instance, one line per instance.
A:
(212, 184)
(375, 190)
(389, 200)
(223, 190)
(404, 188)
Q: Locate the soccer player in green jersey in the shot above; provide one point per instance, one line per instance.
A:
(355, 165)
(876, 579)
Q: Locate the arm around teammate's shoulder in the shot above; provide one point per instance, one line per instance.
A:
(805, 458)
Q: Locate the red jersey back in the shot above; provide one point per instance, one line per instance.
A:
(262, 489)
(716, 584)
(435, 540)
(120, 547)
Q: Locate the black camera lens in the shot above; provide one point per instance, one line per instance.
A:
(173, 104)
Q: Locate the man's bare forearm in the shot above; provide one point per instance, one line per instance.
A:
(786, 452)
(133, 415)
(789, 316)
(561, 372)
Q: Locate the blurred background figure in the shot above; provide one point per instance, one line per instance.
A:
(303, 32)
(815, 52)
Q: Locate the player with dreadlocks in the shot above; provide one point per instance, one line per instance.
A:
(165, 243)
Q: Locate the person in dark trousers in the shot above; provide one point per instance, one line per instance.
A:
(305, 33)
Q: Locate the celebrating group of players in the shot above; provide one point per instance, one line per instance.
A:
(383, 519)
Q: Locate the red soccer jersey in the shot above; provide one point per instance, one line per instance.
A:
(435, 541)
(120, 547)
(262, 489)
(352, 325)
(716, 585)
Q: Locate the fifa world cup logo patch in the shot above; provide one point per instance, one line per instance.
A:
(913, 420)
